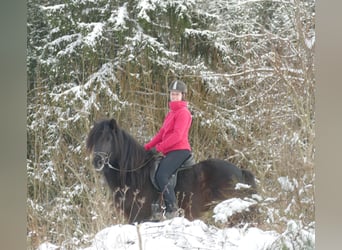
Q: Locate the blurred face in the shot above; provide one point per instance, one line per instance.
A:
(175, 96)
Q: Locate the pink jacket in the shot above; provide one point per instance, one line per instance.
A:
(173, 135)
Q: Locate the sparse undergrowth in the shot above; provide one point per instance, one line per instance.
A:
(79, 211)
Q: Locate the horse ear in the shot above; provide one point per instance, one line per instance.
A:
(113, 125)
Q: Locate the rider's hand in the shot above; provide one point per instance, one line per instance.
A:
(154, 151)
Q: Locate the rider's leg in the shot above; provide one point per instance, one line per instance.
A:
(167, 167)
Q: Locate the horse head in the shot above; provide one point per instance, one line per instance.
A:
(102, 142)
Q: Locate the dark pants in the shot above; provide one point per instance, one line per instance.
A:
(168, 166)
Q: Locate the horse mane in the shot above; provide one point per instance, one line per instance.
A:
(132, 153)
(94, 133)
(129, 156)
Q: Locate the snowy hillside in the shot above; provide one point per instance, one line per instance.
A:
(180, 234)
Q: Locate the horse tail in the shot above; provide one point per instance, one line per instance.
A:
(249, 179)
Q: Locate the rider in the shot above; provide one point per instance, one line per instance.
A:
(172, 141)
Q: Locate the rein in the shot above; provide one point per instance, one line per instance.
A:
(105, 156)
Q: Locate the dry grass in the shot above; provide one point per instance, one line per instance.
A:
(67, 203)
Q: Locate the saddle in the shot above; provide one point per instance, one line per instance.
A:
(187, 164)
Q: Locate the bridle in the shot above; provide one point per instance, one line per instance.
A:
(105, 157)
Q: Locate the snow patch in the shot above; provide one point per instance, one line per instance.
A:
(286, 184)
(47, 246)
(230, 207)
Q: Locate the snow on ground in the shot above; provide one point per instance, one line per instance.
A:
(229, 207)
(180, 234)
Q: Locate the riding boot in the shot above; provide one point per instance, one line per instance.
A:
(171, 211)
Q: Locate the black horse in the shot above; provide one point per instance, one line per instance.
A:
(126, 166)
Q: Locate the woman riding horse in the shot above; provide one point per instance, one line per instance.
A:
(173, 143)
